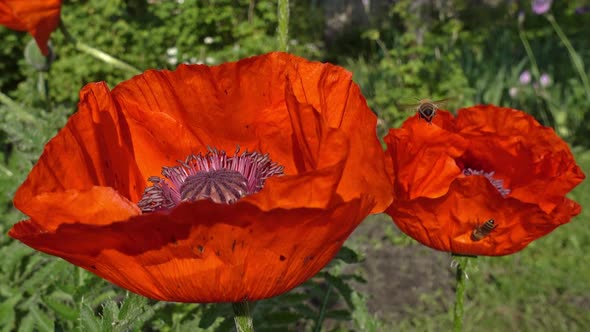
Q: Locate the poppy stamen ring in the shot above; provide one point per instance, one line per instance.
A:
(213, 176)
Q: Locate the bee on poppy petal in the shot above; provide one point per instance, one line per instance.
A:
(426, 108)
(483, 230)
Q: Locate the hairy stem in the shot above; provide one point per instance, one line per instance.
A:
(283, 29)
(460, 276)
(243, 317)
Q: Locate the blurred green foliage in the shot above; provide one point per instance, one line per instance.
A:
(473, 54)
(470, 52)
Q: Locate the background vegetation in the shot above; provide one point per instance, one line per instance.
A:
(399, 51)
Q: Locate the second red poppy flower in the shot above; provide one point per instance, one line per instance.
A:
(486, 182)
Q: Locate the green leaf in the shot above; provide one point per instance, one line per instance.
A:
(226, 325)
(343, 288)
(281, 317)
(137, 322)
(211, 314)
(293, 298)
(7, 313)
(12, 256)
(110, 310)
(371, 34)
(63, 310)
(27, 324)
(38, 280)
(88, 321)
(348, 255)
(42, 320)
(132, 306)
(338, 314)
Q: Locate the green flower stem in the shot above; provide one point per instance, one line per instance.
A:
(576, 59)
(529, 52)
(320, 321)
(462, 262)
(43, 86)
(283, 17)
(97, 53)
(243, 316)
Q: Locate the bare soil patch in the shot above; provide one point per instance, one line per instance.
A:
(401, 278)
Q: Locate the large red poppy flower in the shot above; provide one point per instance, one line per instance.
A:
(39, 17)
(487, 182)
(289, 213)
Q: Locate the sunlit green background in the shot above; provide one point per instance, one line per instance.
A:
(399, 51)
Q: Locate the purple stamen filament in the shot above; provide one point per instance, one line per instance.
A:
(497, 183)
(213, 176)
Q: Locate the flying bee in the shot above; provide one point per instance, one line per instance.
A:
(483, 230)
(426, 108)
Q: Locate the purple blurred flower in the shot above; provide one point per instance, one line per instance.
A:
(545, 80)
(583, 9)
(525, 77)
(541, 6)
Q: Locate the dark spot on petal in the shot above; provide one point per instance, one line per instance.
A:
(233, 246)
(282, 258)
(218, 253)
(93, 267)
(106, 164)
(198, 251)
(307, 259)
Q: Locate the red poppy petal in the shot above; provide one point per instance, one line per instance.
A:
(201, 253)
(205, 105)
(39, 18)
(240, 102)
(340, 103)
(446, 223)
(320, 155)
(72, 206)
(502, 138)
(423, 158)
(93, 149)
(246, 103)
